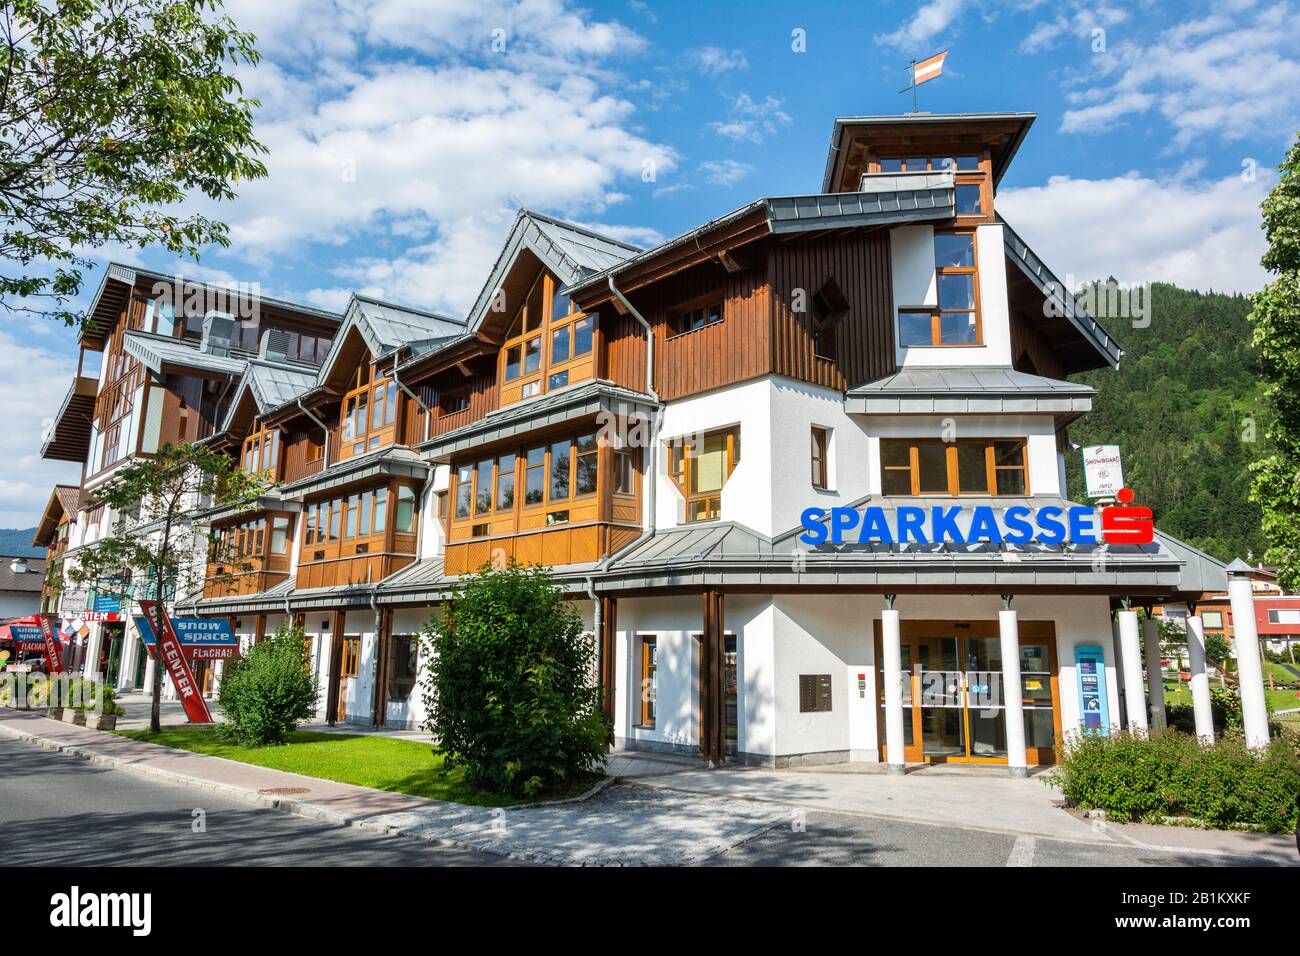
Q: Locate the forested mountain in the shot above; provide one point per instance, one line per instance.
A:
(18, 541)
(1187, 410)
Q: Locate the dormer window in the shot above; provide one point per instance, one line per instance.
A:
(369, 412)
(548, 344)
(973, 194)
(261, 452)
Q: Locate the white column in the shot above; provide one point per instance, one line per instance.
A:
(1012, 692)
(1130, 650)
(1250, 673)
(90, 664)
(1117, 718)
(1200, 681)
(891, 641)
(148, 675)
(1155, 678)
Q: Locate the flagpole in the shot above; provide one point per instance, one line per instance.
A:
(913, 84)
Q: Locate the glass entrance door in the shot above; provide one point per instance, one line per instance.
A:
(954, 697)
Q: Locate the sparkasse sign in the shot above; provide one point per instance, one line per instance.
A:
(1016, 524)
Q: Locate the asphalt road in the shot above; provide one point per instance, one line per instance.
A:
(59, 810)
(839, 839)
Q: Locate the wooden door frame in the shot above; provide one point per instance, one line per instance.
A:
(1028, 632)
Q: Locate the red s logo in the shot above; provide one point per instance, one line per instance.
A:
(1127, 525)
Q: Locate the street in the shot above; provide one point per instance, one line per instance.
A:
(59, 810)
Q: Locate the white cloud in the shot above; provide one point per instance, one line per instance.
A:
(1047, 34)
(1199, 235)
(929, 21)
(1223, 77)
(751, 120)
(713, 60)
(725, 172)
(35, 380)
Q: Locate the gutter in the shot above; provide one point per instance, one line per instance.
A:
(652, 465)
(325, 463)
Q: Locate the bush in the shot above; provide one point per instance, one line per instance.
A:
(1225, 711)
(1171, 774)
(264, 694)
(509, 686)
(87, 694)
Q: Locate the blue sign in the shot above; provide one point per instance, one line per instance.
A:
(26, 632)
(111, 603)
(193, 631)
(1094, 709)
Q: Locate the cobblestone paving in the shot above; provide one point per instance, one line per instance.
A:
(625, 825)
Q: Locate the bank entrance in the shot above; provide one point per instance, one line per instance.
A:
(954, 698)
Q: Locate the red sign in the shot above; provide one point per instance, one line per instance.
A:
(53, 650)
(170, 652)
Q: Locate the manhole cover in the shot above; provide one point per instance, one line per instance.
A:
(284, 791)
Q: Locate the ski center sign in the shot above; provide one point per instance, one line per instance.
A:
(960, 524)
(201, 638)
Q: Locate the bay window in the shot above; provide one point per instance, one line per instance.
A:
(700, 467)
(956, 318)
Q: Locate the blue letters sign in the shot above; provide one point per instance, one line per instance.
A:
(202, 638)
(1094, 711)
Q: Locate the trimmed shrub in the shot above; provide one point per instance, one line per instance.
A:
(509, 686)
(1171, 774)
(265, 693)
(87, 694)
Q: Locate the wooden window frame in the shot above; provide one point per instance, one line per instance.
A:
(391, 678)
(366, 380)
(991, 467)
(820, 447)
(683, 473)
(981, 176)
(261, 443)
(706, 302)
(648, 708)
(538, 381)
(936, 313)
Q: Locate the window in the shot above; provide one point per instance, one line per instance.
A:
(535, 481)
(280, 534)
(934, 467)
(559, 470)
(829, 307)
(1212, 619)
(624, 472)
(404, 516)
(261, 452)
(970, 178)
(649, 680)
(545, 336)
(956, 321)
(697, 318)
(464, 489)
(814, 693)
(821, 442)
(585, 468)
(369, 412)
(558, 380)
(506, 482)
(453, 403)
(700, 467)
(403, 667)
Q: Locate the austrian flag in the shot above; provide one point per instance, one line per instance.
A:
(928, 69)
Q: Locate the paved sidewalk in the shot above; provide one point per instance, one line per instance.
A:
(1002, 804)
(623, 825)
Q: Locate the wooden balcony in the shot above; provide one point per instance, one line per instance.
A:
(547, 547)
(249, 576)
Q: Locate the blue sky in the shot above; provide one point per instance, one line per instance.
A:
(404, 134)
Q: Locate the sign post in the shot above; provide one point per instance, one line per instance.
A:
(171, 654)
(53, 650)
(1103, 475)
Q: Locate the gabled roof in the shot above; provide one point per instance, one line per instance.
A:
(269, 385)
(387, 327)
(968, 390)
(64, 500)
(163, 353)
(570, 251)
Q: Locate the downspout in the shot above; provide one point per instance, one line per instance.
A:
(652, 466)
(428, 412)
(325, 463)
(376, 718)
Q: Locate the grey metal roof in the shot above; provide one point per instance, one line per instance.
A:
(553, 408)
(1063, 299)
(395, 460)
(387, 327)
(968, 390)
(884, 198)
(570, 251)
(891, 198)
(155, 351)
(930, 119)
(271, 386)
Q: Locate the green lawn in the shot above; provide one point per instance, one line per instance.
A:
(1280, 674)
(385, 763)
(1277, 699)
